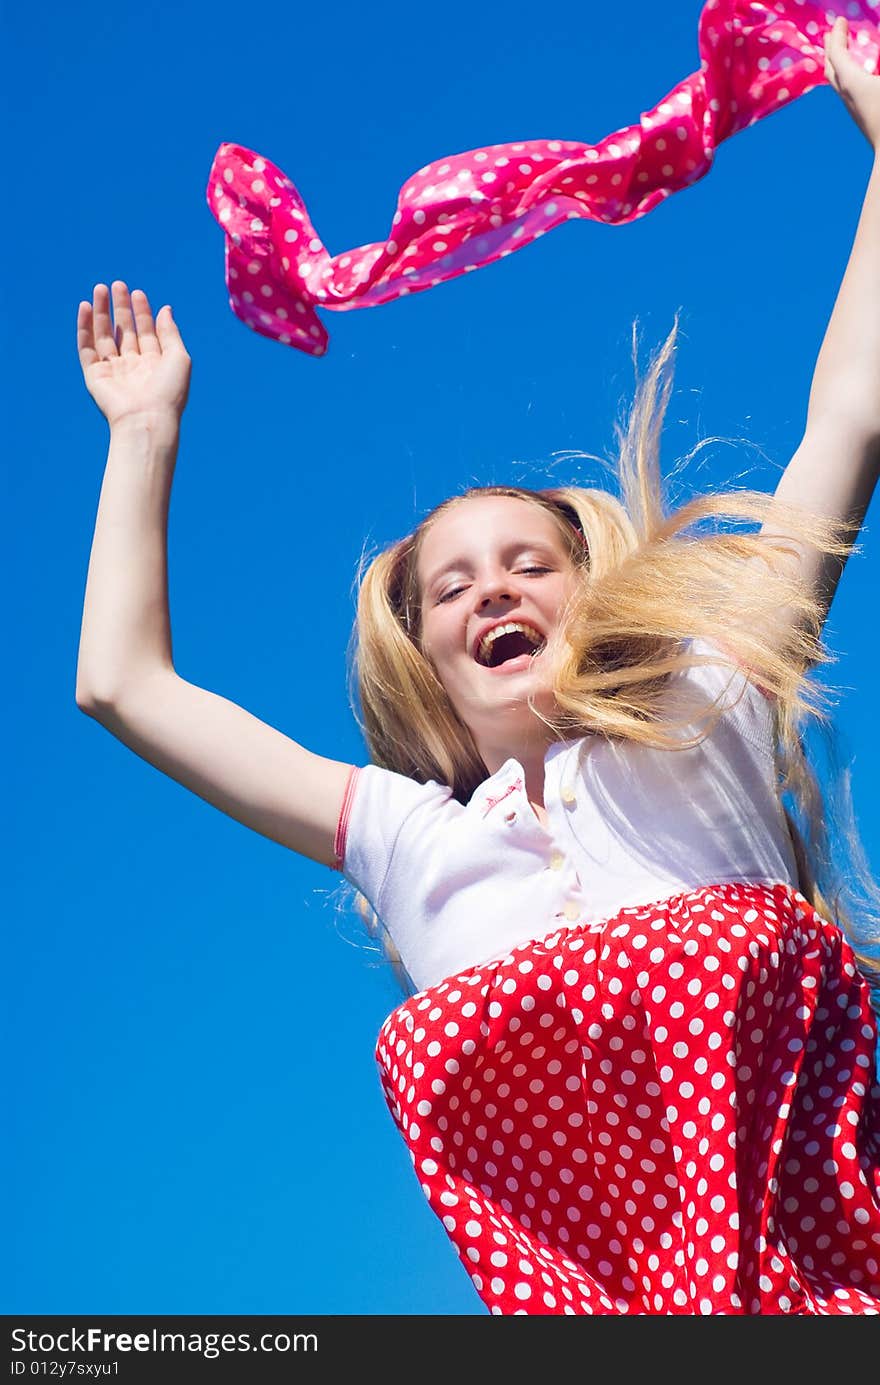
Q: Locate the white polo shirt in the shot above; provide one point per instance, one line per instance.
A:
(456, 885)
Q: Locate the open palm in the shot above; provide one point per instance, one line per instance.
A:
(140, 366)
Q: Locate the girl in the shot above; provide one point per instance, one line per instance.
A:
(636, 1072)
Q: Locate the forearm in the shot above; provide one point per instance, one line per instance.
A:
(846, 381)
(126, 626)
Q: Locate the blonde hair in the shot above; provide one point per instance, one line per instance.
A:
(648, 584)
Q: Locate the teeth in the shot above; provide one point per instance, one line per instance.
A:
(528, 630)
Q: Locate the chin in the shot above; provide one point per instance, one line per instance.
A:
(516, 714)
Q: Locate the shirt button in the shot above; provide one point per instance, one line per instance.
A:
(557, 860)
(568, 795)
(510, 817)
(571, 911)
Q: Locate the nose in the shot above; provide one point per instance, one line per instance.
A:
(495, 587)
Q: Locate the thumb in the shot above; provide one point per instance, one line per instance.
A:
(838, 51)
(166, 327)
(837, 37)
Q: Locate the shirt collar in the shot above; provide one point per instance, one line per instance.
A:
(511, 774)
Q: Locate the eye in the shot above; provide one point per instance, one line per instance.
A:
(537, 569)
(448, 596)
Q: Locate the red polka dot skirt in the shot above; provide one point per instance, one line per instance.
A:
(673, 1112)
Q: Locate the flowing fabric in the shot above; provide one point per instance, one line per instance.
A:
(464, 211)
(672, 1112)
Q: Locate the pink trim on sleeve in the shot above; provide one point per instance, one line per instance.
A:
(344, 816)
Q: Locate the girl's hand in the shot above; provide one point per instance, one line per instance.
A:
(141, 368)
(860, 89)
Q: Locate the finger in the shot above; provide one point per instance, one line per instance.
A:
(105, 342)
(146, 328)
(836, 36)
(169, 334)
(126, 336)
(85, 335)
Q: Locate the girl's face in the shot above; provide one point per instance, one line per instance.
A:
(489, 563)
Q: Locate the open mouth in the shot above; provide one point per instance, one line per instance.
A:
(507, 642)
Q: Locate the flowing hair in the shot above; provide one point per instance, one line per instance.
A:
(650, 581)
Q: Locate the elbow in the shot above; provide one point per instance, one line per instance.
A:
(96, 689)
(103, 698)
(86, 703)
(92, 703)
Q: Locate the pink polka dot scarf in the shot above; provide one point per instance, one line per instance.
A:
(464, 211)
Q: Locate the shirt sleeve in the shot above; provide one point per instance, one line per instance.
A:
(749, 706)
(376, 806)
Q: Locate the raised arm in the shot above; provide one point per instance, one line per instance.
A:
(835, 469)
(138, 374)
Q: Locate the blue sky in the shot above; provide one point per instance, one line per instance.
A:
(195, 1114)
